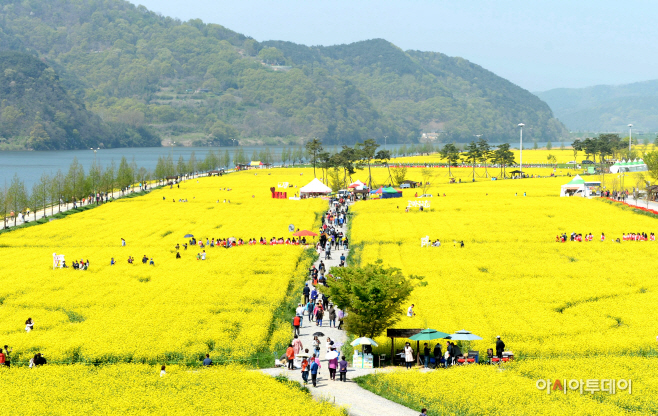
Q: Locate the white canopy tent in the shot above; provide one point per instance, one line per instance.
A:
(629, 166)
(357, 185)
(578, 187)
(315, 187)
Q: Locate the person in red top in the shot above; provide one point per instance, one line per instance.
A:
(2, 357)
(296, 322)
(290, 356)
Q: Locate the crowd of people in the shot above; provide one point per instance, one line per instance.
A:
(577, 237)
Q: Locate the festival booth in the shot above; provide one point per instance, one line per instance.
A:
(629, 166)
(314, 188)
(579, 187)
(387, 192)
(357, 185)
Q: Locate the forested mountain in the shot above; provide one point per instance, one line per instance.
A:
(606, 107)
(37, 112)
(137, 68)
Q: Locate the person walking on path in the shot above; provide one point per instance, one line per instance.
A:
(300, 312)
(340, 315)
(306, 292)
(314, 371)
(342, 364)
(296, 323)
(408, 356)
(305, 370)
(332, 317)
(333, 364)
(309, 310)
(290, 357)
(423, 412)
(318, 316)
(297, 345)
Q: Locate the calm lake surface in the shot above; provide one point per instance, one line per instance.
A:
(30, 165)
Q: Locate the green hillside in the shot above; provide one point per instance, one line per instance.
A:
(203, 81)
(36, 112)
(605, 108)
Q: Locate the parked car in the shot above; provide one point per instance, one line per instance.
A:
(587, 162)
(425, 196)
(572, 162)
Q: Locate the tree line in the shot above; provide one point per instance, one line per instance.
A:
(338, 167)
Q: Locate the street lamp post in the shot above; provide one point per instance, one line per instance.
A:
(630, 138)
(94, 178)
(521, 151)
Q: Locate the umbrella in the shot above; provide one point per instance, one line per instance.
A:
(428, 335)
(318, 334)
(188, 236)
(464, 335)
(331, 355)
(232, 240)
(365, 341)
(305, 233)
(303, 355)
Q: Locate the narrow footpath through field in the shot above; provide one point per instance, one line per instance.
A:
(358, 401)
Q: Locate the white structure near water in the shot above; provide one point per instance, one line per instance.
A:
(629, 166)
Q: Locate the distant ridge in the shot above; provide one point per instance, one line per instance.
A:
(204, 83)
(606, 107)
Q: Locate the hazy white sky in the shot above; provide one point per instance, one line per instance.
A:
(538, 45)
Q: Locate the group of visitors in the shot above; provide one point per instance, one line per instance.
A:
(81, 265)
(563, 238)
(616, 195)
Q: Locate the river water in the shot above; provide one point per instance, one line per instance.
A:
(31, 165)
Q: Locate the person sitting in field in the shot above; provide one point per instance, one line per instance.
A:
(151, 262)
(112, 261)
(602, 237)
(240, 242)
(145, 259)
(652, 237)
(130, 260)
(304, 240)
(74, 265)
(178, 255)
(198, 256)
(617, 241)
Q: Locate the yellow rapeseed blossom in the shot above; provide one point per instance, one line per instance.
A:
(137, 389)
(511, 278)
(513, 388)
(176, 310)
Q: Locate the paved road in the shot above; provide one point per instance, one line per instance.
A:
(358, 401)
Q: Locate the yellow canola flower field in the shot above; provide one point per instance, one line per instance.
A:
(511, 278)
(137, 389)
(513, 389)
(176, 310)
